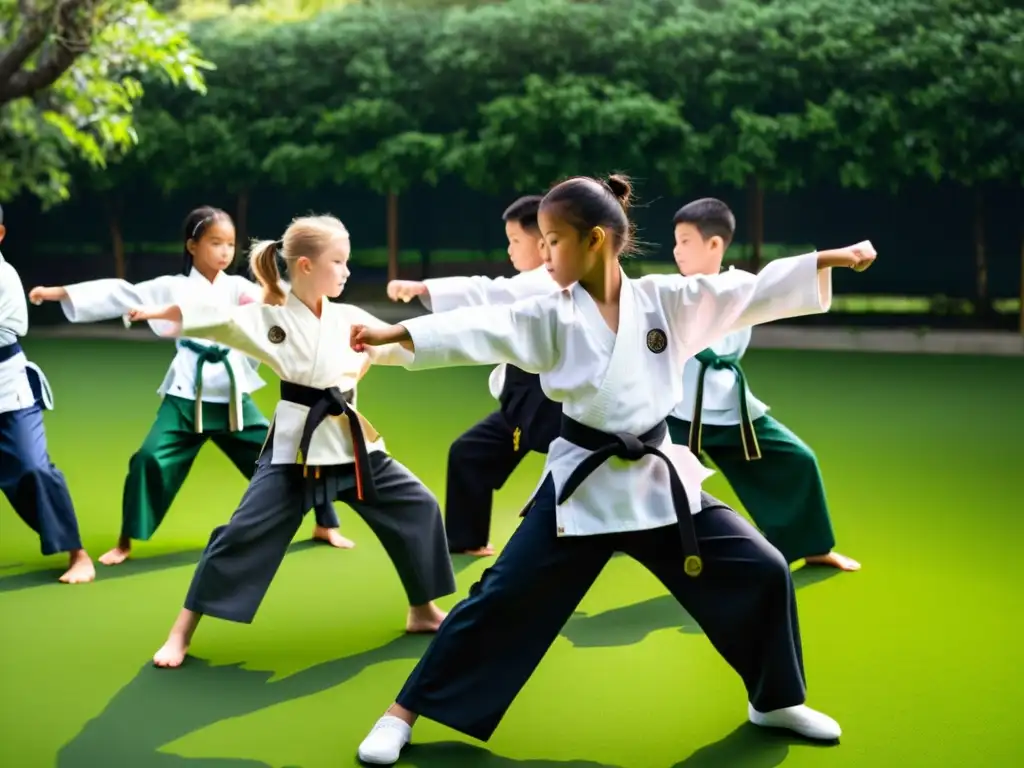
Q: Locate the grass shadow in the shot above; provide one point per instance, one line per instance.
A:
(631, 624)
(160, 706)
(748, 746)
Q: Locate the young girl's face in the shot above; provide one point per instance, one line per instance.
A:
(693, 254)
(327, 274)
(215, 249)
(567, 255)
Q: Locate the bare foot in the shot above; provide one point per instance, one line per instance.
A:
(487, 551)
(118, 554)
(172, 653)
(834, 559)
(80, 568)
(424, 619)
(333, 537)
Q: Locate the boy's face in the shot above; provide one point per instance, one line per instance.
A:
(523, 247)
(3, 231)
(694, 255)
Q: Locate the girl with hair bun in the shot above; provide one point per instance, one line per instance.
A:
(611, 350)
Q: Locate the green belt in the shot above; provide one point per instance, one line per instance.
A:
(709, 359)
(214, 354)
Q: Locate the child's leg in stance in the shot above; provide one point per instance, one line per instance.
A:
(745, 602)
(242, 556)
(480, 461)
(493, 640)
(407, 520)
(156, 473)
(784, 493)
(38, 491)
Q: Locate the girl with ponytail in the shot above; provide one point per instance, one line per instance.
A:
(207, 392)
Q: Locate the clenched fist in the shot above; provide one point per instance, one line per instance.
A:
(405, 290)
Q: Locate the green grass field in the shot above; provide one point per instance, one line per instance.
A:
(918, 656)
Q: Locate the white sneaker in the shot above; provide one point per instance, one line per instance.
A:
(385, 742)
(801, 719)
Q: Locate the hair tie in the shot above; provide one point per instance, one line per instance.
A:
(279, 244)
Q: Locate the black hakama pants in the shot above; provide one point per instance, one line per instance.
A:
(243, 555)
(491, 642)
(480, 462)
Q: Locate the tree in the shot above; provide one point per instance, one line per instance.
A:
(575, 125)
(70, 76)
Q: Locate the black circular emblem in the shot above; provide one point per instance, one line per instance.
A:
(657, 341)
(276, 334)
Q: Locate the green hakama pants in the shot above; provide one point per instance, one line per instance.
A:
(782, 491)
(158, 469)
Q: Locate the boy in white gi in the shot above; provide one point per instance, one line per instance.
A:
(207, 392)
(320, 448)
(28, 478)
(773, 472)
(612, 351)
(482, 460)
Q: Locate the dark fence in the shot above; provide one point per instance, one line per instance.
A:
(925, 236)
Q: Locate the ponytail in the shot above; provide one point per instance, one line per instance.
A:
(263, 264)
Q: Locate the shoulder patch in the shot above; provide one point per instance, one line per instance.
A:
(657, 341)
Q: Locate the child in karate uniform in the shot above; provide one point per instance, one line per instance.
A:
(320, 448)
(773, 472)
(482, 460)
(612, 351)
(207, 392)
(28, 477)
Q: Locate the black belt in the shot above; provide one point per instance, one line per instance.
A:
(332, 402)
(9, 351)
(605, 445)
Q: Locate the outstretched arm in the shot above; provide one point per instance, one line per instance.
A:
(245, 328)
(523, 334)
(447, 293)
(705, 308)
(97, 300)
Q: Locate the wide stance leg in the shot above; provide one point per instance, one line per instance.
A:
(745, 602)
(783, 491)
(32, 483)
(158, 469)
(479, 463)
(407, 520)
(243, 555)
(492, 641)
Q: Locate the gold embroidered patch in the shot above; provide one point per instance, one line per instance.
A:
(657, 341)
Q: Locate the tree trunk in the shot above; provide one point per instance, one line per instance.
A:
(241, 224)
(392, 236)
(982, 305)
(755, 215)
(117, 238)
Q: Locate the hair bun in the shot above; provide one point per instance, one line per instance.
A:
(621, 188)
